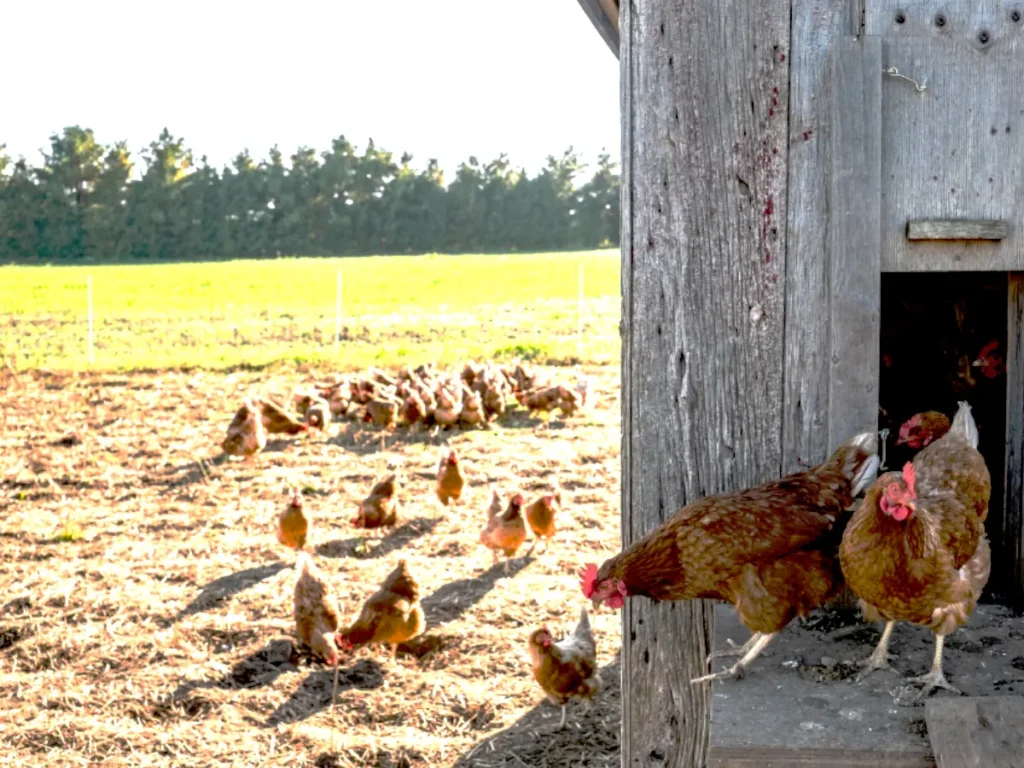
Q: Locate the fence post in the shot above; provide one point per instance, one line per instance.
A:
(337, 316)
(88, 293)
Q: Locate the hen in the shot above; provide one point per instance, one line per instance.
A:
(391, 615)
(566, 669)
(316, 613)
(277, 421)
(915, 549)
(380, 508)
(923, 428)
(540, 516)
(449, 478)
(293, 524)
(505, 530)
(246, 435)
(769, 550)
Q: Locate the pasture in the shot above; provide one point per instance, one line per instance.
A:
(146, 617)
(394, 310)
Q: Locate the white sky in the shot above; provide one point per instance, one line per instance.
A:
(441, 78)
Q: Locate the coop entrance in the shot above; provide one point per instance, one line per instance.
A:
(942, 340)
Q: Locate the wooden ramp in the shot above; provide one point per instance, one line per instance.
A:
(976, 731)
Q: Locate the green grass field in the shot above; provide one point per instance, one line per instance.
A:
(395, 310)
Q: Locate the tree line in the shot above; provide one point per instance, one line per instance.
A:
(86, 200)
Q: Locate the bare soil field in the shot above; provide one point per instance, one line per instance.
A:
(146, 607)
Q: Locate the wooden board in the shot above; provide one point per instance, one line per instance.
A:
(604, 17)
(956, 229)
(1009, 550)
(705, 89)
(955, 150)
(775, 757)
(977, 731)
(855, 238)
(816, 25)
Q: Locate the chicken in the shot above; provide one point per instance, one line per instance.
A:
(318, 413)
(566, 669)
(382, 411)
(472, 409)
(540, 516)
(544, 399)
(769, 550)
(246, 435)
(448, 409)
(449, 478)
(293, 524)
(915, 549)
(989, 361)
(496, 506)
(413, 409)
(316, 613)
(506, 530)
(391, 615)
(923, 428)
(493, 400)
(380, 508)
(277, 421)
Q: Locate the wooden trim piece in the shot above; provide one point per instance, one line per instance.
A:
(1012, 544)
(855, 277)
(957, 229)
(783, 757)
(603, 15)
(981, 731)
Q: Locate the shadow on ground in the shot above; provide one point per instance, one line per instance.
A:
(367, 547)
(219, 590)
(590, 737)
(455, 598)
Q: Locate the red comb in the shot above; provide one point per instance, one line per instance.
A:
(588, 575)
(988, 349)
(909, 477)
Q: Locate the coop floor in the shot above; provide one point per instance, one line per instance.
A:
(801, 694)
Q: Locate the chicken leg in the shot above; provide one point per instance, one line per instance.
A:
(879, 658)
(734, 649)
(737, 670)
(935, 679)
(561, 723)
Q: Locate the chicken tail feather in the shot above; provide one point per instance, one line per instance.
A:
(583, 630)
(963, 423)
(857, 459)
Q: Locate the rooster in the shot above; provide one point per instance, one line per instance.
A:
(769, 550)
(566, 669)
(915, 549)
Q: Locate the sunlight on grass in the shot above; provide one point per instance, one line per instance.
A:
(395, 310)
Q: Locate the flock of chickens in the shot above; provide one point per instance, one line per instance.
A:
(393, 615)
(420, 396)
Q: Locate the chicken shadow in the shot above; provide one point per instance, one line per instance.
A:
(367, 547)
(314, 692)
(590, 735)
(220, 589)
(453, 599)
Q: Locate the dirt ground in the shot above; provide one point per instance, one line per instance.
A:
(145, 605)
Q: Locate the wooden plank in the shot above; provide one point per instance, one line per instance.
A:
(976, 731)
(703, 315)
(603, 14)
(953, 229)
(855, 234)
(777, 757)
(953, 151)
(1009, 550)
(816, 25)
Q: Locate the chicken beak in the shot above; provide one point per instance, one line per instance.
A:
(595, 603)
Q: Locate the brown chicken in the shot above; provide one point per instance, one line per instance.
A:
(915, 549)
(540, 516)
(277, 421)
(391, 615)
(923, 428)
(769, 550)
(566, 669)
(246, 435)
(293, 524)
(472, 409)
(318, 413)
(505, 531)
(448, 409)
(316, 612)
(449, 478)
(380, 508)
(382, 412)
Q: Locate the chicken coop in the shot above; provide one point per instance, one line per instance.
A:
(822, 234)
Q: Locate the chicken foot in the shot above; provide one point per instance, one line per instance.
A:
(735, 649)
(879, 658)
(935, 678)
(737, 670)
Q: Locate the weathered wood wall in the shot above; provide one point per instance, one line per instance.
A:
(705, 146)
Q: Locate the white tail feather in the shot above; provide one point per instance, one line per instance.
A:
(963, 423)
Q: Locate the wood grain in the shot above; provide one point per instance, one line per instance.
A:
(1009, 550)
(976, 731)
(954, 229)
(816, 25)
(779, 757)
(855, 234)
(703, 280)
